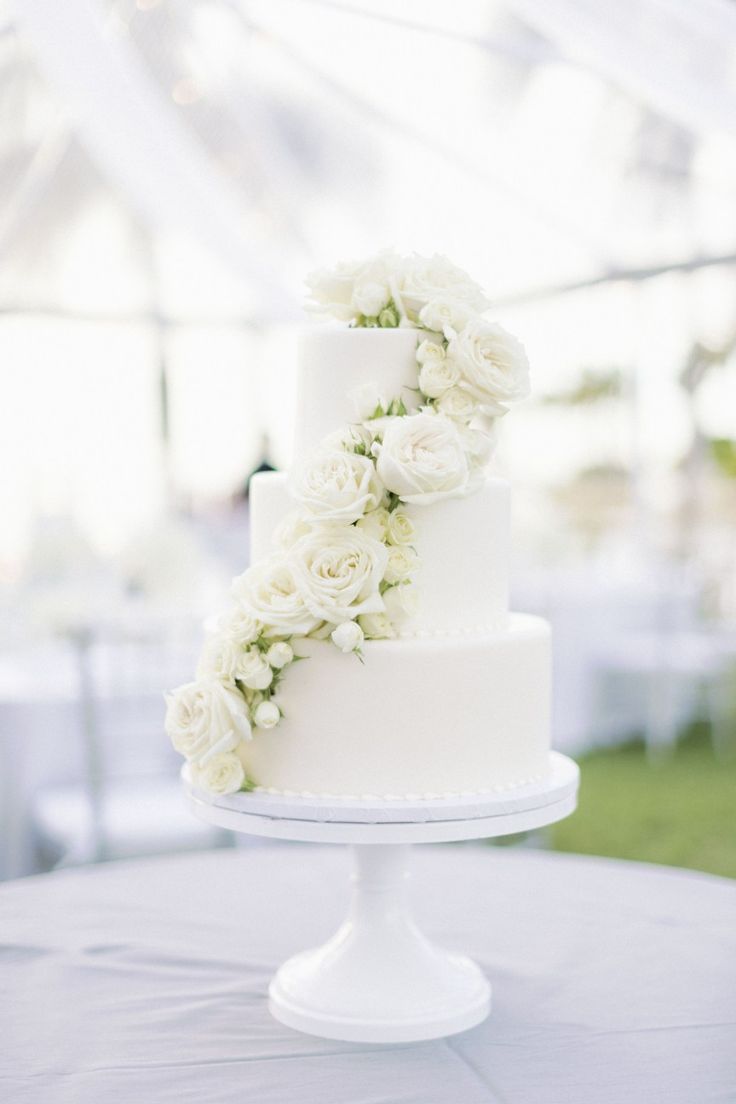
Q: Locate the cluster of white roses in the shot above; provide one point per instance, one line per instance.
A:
(344, 560)
(389, 290)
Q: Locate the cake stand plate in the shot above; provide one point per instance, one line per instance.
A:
(379, 979)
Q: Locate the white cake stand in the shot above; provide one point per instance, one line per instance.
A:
(379, 980)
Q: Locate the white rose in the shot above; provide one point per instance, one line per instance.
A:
(291, 527)
(280, 655)
(206, 717)
(456, 403)
(401, 602)
(376, 626)
(332, 291)
(400, 528)
(338, 572)
(267, 715)
(422, 459)
(220, 658)
(364, 400)
(400, 564)
(429, 350)
(348, 636)
(493, 365)
(429, 278)
(255, 670)
(270, 592)
(350, 437)
(375, 524)
(241, 625)
(337, 486)
(437, 375)
(345, 290)
(222, 774)
(445, 315)
(370, 297)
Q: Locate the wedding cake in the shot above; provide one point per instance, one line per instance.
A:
(369, 649)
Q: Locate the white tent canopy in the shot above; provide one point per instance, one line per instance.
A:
(564, 163)
(177, 167)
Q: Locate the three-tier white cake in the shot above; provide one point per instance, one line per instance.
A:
(459, 700)
(369, 649)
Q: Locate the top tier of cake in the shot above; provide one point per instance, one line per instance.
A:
(334, 363)
(462, 577)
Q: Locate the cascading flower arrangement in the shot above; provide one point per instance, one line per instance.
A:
(344, 560)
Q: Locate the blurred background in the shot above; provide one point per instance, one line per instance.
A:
(169, 172)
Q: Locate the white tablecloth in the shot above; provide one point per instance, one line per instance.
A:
(613, 982)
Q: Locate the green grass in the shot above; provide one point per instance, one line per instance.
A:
(679, 810)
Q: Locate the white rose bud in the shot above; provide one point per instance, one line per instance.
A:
(456, 403)
(267, 715)
(348, 636)
(389, 319)
(445, 315)
(369, 298)
(375, 524)
(255, 670)
(401, 562)
(222, 774)
(400, 528)
(429, 351)
(436, 377)
(376, 625)
(350, 438)
(279, 655)
(364, 400)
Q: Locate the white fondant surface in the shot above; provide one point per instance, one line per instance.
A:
(436, 716)
(270, 502)
(334, 362)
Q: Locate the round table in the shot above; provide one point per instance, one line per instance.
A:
(147, 981)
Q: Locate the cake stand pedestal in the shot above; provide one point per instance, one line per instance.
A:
(379, 979)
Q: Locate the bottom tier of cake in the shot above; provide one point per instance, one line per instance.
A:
(422, 717)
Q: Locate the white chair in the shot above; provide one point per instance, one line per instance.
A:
(126, 800)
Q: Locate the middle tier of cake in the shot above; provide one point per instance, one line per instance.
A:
(463, 549)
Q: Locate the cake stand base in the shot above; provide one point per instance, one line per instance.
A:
(379, 980)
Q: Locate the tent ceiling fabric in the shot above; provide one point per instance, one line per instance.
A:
(675, 56)
(135, 135)
(250, 127)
